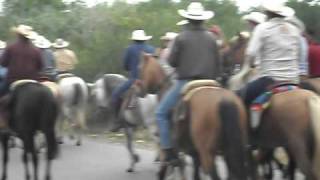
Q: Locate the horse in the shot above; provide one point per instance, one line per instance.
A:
(291, 122)
(74, 94)
(141, 113)
(30, 107)
(233, 56)
(216, 120)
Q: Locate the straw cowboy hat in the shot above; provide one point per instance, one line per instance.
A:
(182, 23)
(195, 11)
(3, 44)
(140, 35)
(60, 43)
(169, 36)
(278, 8)
(256, 17)
(42, 42)
(26, 31)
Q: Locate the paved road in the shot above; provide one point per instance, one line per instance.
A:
(95, 160)
(98, 160)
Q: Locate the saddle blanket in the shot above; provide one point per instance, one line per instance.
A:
(263, 101)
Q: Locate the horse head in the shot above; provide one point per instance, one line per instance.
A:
(152, 75)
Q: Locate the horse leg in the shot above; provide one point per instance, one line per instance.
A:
(52, 151)
(298, 149)
(81, 125)
(34, 159)
(134, 157)
(25, 163)
(196, 166)
(5, 145)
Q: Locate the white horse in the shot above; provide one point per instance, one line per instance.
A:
(143, 114)
(74, 95)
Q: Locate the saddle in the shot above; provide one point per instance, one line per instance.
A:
(191, 88)
(18, 83)
(64, 75)
(262, 102)
(194, 86)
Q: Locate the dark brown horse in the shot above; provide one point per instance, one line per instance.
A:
(29, 108)
(215, 121)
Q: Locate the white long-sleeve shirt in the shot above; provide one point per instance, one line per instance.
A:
(277, 44)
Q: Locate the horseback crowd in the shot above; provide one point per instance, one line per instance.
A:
(255, 93)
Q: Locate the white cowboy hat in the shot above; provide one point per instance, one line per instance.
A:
(3, 44)
(140, 35)
(195, 11)
(278, 8)
(42, 42)
(296, 22)
(60, 43)
(169, 36)
(183, 22)
(26, 31)
(256, 17)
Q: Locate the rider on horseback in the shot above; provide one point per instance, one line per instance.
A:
(276, 43)
(131, 64)
(195, 56)
(22, 60)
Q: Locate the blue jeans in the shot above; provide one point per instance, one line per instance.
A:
(255, 89)
(119, 91)
(166, 104)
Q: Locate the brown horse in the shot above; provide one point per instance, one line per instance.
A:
(233, 56)
(292, 122)
(216, 120)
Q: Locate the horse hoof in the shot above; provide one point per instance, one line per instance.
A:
(48, 178)
(4, 177)
(136, 158)
(78, 143)
(60, 141)
(130, 170)
(71, 137)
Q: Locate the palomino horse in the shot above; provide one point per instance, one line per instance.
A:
(74, 94)
(142, 113)
(216, 120)
(30, 107)
(292, 122)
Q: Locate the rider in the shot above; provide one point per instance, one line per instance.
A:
(195, 56)
(131, 64)
(276, 43)
(21, 58)
(49, 70)
(66, 59)
(168, 40)
(23, 61)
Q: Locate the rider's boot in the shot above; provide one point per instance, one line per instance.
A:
(117, 123)
(255, 117)
(171, 156)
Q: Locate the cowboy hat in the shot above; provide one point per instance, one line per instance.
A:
(278, 8)
(183, 22)
(2, 44)
(195, 11)
(256, 17)
(26, 31)
(42, 42)
(140, 35)
(169, 36)
(60, 43)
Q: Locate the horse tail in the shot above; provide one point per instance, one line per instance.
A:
(314, 105)
(232, 138)
(78, 95)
